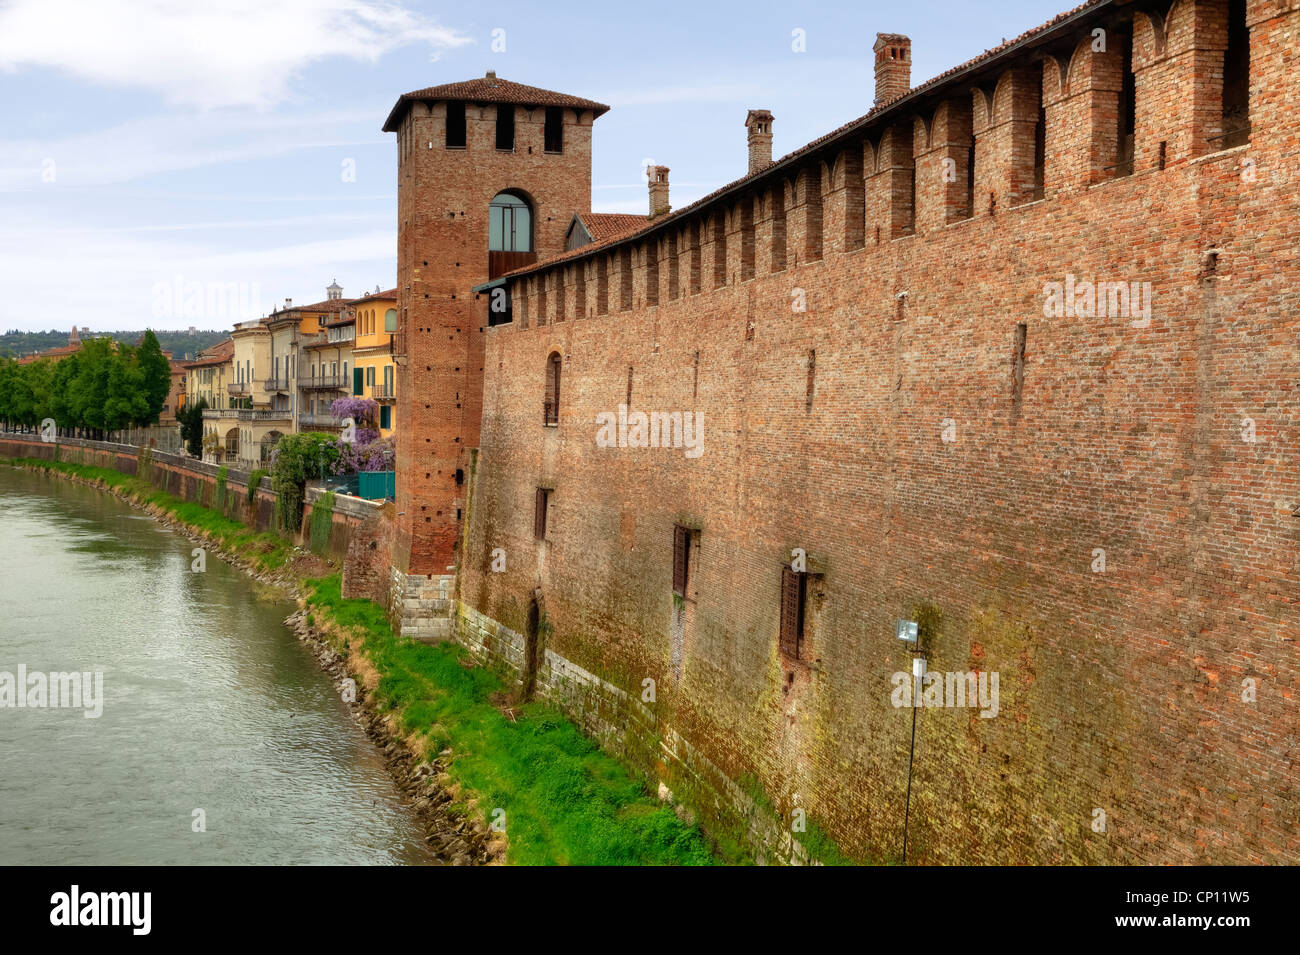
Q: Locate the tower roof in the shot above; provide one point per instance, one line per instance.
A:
(490, 89)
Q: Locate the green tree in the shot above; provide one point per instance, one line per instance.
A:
(297, 459)
(190, 419)
(156, 377)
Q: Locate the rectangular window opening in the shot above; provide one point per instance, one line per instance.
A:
(539, 514)
(455, 125)
(505, 126)
(553, 135)
(1018, 361)
(681, 559)
(793, 594)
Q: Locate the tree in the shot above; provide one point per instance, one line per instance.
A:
(156, 377)
(191, 421)
(295, 460)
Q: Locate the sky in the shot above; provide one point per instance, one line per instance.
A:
(176, 163)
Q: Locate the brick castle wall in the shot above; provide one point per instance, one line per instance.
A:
(931, 472)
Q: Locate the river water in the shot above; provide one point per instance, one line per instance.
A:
(209, 703)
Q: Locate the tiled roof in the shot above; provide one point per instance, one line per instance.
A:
(490, 89)
(602, 226)
(876, 114)
(329, 305)
(218, 354)
(61, 351)
(390, 295)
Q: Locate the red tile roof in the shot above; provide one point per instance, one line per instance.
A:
(877, 114)
(490, 89)
(602, 226)
(61, 351)
(220, 353)
(391, 294)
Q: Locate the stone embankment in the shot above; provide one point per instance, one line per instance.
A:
(452, 835)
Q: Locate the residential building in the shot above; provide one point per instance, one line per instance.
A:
(375, 374)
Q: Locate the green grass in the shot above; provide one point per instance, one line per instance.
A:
(565, 801)
(267, 550)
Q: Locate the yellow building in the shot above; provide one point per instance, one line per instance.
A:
(207, 379)
(263, 413)
(375, 375)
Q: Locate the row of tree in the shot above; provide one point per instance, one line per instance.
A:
(106, 386)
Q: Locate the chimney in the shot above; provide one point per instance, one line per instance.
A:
(893, 66)
(759, 124)
(658, 178)
(288, 303)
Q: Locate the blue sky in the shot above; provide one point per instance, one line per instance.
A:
(147, 145)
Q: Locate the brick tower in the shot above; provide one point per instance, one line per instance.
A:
(490, 173)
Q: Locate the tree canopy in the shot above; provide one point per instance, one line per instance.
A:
(103, 387)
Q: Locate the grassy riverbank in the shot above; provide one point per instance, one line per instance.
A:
(564, 801)
(266, 550)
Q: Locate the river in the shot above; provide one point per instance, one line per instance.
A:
(214, 717)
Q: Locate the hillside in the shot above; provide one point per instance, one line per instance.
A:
(181, 343)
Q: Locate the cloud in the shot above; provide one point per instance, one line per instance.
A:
(208, 53)
(140, 148)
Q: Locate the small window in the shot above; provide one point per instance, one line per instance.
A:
(455, 125)
(681, 559)
(539, 514)
(390, 320)
(551, 406)
(793, 591)
(505, 127)
(554, 132)
(385, 416)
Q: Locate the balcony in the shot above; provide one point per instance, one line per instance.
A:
(383, 393)
(220, 413)
(313, 420)
(262, 414)
(325, 383)
(238, 388)
(277, 384)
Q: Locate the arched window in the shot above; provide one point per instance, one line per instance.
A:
(551, 408)
(510, 224)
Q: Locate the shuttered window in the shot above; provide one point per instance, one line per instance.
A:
(681, 558)
(792, 600)
(539, 514)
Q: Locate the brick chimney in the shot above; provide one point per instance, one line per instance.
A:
(893, 66)
(759, 124)
(658, 177)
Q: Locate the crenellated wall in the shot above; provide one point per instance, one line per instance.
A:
(1102, 509)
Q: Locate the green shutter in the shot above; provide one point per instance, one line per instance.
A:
(358, 381)
(385, 416)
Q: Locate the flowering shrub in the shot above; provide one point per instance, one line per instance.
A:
(364, 411)
(366, 452)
